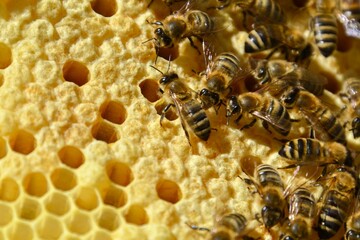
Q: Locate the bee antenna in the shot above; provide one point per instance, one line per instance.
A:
(198, 228)
(169, 63)
(149, 40)
(157, 69)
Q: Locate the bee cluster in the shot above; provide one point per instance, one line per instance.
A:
(276, 59)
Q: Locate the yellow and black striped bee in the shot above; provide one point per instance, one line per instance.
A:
(309, 151)
(277, 36)
(325, 26)
(220, 74)
(352, 87)
(266, 108)
(279, 75)
(335, 202)
(302, 212)
(322, 120)
(230, 226)
(191, 114)
(271, 190)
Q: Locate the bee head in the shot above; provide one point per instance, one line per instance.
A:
(167, 78)
(290, 97)
(260, 70)
(208, 98)
(233, 107)
(299, 229)
(271, 216)
(162, 39)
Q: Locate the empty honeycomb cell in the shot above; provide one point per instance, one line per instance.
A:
(57, 203)
(9, 190)
(168, 190)
(49, 228)
(5, 56)
(119, 173)
(114, 112)
(29, 209)
(21, 231)
(76, 72)
(2, 147)
(150, 90)
(109, 219)
(101, 235)
(114, 197)
(1, 79)
(22, 142)
(169, 54)
(79, 223)
(86, 198)
(137, 215)
(71, 156)
(104, 131)
(35, 184)
(106, 8)
(6, 214)
(63, 179)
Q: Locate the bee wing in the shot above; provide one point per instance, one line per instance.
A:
(186, 7)
(270, 119)
(352, 27)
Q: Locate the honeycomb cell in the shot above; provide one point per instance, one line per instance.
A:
(79, 223)
(21, 231)
(114, 112)
(5, 56)
(100, 235)
(104, 131)
(76, 72)
(168, 190)
(170, 115)
(1, 79)
(108, 219)
(119, 173)
(169, 54)
(22, 142)
(150, 90)
(57, 203)
(114, 197)
(49, 228)
(86, 199)
(106, 8)
(9, 190)
(137, 215)
(3, 150)
(35, 184)
(71, 156)
(63, 179)
(29, 209)
(6, 214)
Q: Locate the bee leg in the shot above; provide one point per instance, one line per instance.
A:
(258, 218)
(151, 1)
(193, 45)
(166, 108)
(197, 228)
(249, 125)
(312, 133)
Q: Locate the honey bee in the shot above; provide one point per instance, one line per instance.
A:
(321, 118)
(302, 210)
(262, 10)
(305, 151)
(220, 74)
(352, 86)
(271, 188)
(270, 110)
(353, 222)
(279, 75)
(335, 202)
(230, 226)
(276, 36)
(325, 26)
(191, 114)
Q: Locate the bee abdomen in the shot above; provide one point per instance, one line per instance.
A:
(332, 126)
(325, 31)
(236, 222)
(270, 9)
(302, 149)
(268, 175)
(260, 38)
(201, 22)
(281, 117)
(197, 119)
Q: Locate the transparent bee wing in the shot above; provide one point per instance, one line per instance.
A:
(352, 27)
(271, 120)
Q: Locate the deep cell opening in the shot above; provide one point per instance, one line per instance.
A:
(71, 156)
(168, 190)
(150, 90)
(105, 132)
(22, 142)
(106, 8)
(75, 72)
(137, 215)
(5, 56)
(35, 184)
(119, 173)
(114, 112)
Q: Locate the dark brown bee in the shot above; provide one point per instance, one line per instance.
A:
(219, 76)
(305, 151)
(352, 87)
(325, 26)
(268, 109)
(322, 120)
(189, 110)
(334, 205)
(302, 211)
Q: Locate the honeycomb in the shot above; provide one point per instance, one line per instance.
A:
(82, 153)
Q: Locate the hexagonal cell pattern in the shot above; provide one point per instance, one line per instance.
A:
(63, 179)
(86, 198)
(9, 190)
(71, 156)
(106, 8)
(119, 173)
(57, 203)
(22, 142)
(114, 112)
(137, 215)
(29, 209)
(35, 184)
(150, 89)
(21, 231)
(3, 149)
(76, 72)
(79, 223)
(115, 197)
(6, 214)
(5, 56)
(101, 235)
(108, 219)
(168, 190)
(49, 227)
(104, 131)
